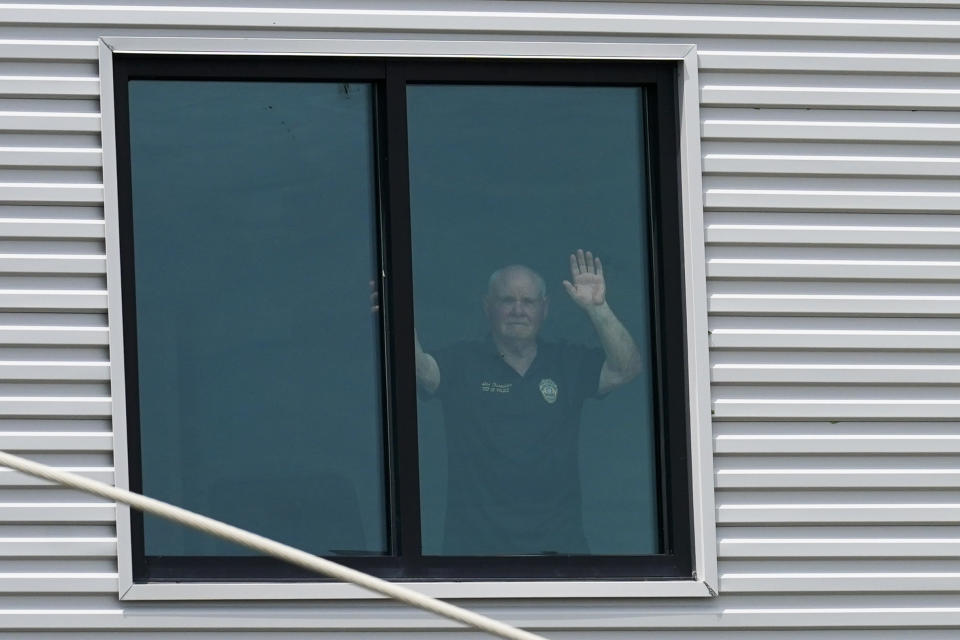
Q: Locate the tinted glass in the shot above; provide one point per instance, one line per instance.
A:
(538, 462)
(259, 369)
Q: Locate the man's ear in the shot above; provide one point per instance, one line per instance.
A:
(546, 306)
(486, 306)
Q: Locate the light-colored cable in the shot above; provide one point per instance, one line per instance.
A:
(269, 547)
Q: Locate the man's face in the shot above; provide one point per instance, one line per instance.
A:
(515, 307)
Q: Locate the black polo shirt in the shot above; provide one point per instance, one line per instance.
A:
(513, 448)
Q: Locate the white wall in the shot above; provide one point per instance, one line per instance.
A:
(830, 152)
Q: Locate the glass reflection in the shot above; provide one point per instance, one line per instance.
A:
(528, 209)
(259, 370)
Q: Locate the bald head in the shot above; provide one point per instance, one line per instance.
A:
(516, 304)
(499, 278)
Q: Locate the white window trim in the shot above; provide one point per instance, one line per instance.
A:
(701, 454)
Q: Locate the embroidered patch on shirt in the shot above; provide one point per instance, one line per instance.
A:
(495, 387)
(548, 389)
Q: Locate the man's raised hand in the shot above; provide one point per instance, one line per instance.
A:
(588, 288)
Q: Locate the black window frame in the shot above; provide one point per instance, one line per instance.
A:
(390, 75)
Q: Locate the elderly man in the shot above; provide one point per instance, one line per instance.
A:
(512, 407)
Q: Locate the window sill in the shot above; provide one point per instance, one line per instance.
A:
(446, 590)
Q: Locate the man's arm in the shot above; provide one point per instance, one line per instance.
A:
(588, 290)
(428, 371)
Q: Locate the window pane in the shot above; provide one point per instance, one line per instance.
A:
(259, 367)
(522, 451)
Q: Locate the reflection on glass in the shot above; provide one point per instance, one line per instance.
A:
(253, 221)
(529, 209)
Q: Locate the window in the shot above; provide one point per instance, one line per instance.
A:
(346, 323)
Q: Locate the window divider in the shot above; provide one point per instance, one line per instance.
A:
(401, 364)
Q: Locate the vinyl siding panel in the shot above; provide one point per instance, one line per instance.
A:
(57, 547)
(831, 144)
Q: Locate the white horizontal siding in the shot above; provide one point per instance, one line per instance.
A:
(829, 199)
(47, 512)
(832, 409)
(824, 453)
(891, 543)
(830, 582)
(833, 62)
(867, 200)
(49, 122)
(826, 165)
(47, 193)
(802, 438)
(772, 95)
(800, 612)
(830, 373)
(50, 228)
(647, 19)
(875, 334)
(57, 582)
(39, 547)
(833, 304)
(48, 50)
(10, 478)
(49, 157)
(34, 87)
(783, 230)
(56, 441)
(849, 511)
(55, 545)
(780, 127)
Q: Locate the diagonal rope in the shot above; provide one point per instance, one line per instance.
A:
(269, 547)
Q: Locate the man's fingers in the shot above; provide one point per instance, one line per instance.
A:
(574, 269)
(589, 261)
(569, 287)
(374, 297)
(596, 262)
(581, 263)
